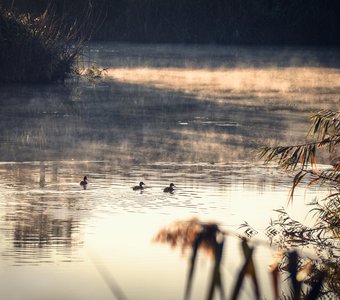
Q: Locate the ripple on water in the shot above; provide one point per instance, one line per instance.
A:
(44, 222)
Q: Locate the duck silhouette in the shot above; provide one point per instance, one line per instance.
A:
(139, 187)
(83, 183)
(169, 189)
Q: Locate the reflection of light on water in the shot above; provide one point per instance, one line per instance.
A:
(118, 224)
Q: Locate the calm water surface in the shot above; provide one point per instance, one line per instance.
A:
(189, 115)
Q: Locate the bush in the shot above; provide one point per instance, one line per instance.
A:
(41, 49)
(324, 235)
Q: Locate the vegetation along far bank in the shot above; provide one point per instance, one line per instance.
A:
(298, 22)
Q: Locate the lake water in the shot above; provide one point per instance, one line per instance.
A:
(192, 115)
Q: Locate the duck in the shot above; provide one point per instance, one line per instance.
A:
(139, 187)
(83, 183)
(169, 189)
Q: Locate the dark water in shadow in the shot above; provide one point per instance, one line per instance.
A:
(189, 115)
(126, 123)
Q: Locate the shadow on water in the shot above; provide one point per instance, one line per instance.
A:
(131, 123)
(127, 122)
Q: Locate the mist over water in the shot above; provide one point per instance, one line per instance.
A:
(192, 115)
(171, 103)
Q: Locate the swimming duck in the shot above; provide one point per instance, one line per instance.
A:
(169, 189)
(83, 183)
(139, 187)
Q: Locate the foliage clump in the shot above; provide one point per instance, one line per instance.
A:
(324, 235)
(209, 238)
(44, 48)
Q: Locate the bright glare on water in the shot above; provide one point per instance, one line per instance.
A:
(189, 115)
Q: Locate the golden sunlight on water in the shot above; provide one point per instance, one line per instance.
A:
(296, 85)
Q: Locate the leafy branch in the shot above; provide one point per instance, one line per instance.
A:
(324, 236)
(325, 126)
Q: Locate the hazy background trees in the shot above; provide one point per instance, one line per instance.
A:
(207, 21)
